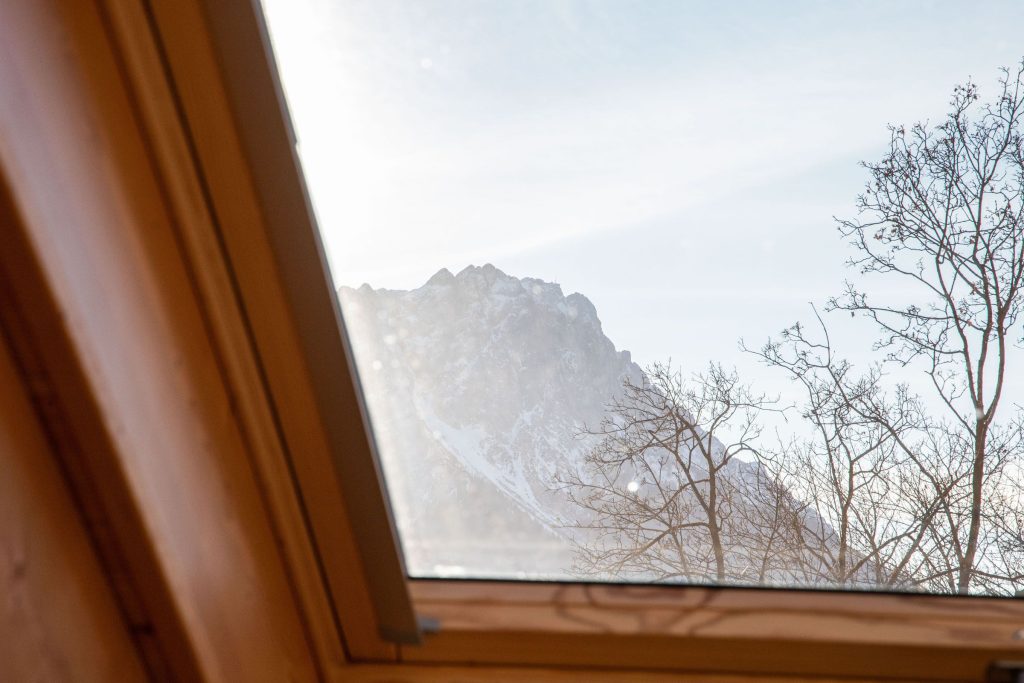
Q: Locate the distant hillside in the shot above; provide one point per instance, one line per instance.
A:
(478, 384)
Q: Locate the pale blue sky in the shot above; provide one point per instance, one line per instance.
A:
(678, 163)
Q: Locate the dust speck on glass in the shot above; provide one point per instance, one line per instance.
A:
(681, 292)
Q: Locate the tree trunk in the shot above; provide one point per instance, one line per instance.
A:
(966, 569)
(713, 526)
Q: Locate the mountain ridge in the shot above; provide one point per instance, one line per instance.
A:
(479, 384)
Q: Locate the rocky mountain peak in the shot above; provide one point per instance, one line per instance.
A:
(479, 385)
(441, 278)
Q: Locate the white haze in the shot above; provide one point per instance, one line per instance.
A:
(680, 164)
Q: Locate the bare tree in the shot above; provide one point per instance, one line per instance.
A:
(996, 568)
(878, 488)
(1006, 533)
(770, 525)
(857, 468)
(661, 491)
(942, 215)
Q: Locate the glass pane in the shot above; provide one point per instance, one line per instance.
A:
(627, 305)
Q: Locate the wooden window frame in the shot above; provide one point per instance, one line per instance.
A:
(718, 629)
(226, 186)
(782, 632)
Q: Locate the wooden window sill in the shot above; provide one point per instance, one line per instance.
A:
(734, 630)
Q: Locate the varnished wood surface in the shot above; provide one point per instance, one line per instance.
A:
(198, 76)
(784, 632)
(162, 347)
(491, 674)
(788, 660)
(199, 232)
(58, 618)
(697, 611)
(111, 309)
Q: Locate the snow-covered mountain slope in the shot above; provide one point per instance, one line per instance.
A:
(478, 385)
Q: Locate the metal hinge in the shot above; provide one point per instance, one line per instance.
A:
(424, 626)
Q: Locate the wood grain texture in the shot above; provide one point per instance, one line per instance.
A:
(412, 673)
(697, 611)
(58, 618)
(100, 278)
(786, 632)
(198, 79)
(753, 631)
(158, 338)
(168, 138)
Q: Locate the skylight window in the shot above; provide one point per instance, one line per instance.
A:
(626, 305)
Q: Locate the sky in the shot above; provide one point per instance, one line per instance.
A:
(678, 163)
